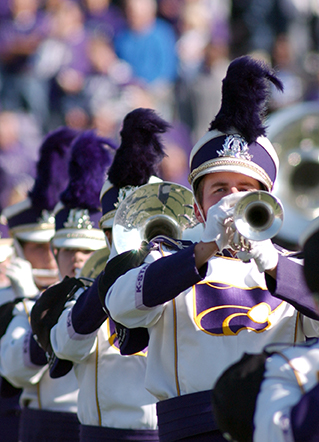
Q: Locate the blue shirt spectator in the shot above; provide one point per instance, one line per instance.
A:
(147, 43)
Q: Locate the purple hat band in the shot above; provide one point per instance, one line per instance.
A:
(27, 216)
(259, 155)
(4, 231)
(62, 217)
(109, 199)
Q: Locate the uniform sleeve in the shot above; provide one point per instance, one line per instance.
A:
(290, 286)
(137, 298)
(279, 392)
(22, 361)
(74, 336)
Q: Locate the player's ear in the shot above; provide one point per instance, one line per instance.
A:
(198, 214)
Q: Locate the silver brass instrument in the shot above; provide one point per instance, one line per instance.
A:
(163, 208)
(294, 133)
(257, 216)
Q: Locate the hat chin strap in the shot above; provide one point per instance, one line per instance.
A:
(200, 211)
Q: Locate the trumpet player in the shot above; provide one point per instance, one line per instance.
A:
(203, 305)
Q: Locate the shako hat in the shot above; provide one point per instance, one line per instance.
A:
(236, 140)
(32, 219)
(78, 213)
(136, 160)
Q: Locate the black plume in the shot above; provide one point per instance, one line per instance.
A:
(245, 92)
(141, 149)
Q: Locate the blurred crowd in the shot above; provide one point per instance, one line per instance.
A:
(86, 63)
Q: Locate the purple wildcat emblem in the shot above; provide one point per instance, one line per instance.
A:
(217, 311)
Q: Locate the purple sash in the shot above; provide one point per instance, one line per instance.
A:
(90, 433)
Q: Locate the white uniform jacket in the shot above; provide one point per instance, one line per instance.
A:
(289, 376)
(112, 392)
(23, 363)
(200, 323)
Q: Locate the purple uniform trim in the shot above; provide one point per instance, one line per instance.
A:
(48, 426)
(290, 286)
(33, 355)
(37, 354)
(259, 154)
(185, 416)
(90, 433)
(87, 313)
(304, 417)
(182, 264)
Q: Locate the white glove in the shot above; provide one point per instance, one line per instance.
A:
(19, 271)
(264, 254)
(219, 225)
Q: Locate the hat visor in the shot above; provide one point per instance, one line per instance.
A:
(236, 168)
(40, 236)
(93, 239)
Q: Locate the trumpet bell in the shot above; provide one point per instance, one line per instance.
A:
(154, 209)
(258, 216)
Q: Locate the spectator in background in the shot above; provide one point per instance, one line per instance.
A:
(203, 59)
(108, 74)
(62, 60)
(194, 28)
(16, 157)
(147, 43)
(289, 72)
(205, 90)
(102, 16)
(178, 144)
(20, 35)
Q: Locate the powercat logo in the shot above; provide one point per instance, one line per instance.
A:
(224, 310)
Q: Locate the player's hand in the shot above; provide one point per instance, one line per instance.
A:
(19, 271)
(219, 223)
(264, 254)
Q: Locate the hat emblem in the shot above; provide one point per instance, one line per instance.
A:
(123, 193)
(78, 219)
(235, 146)
(46, 217)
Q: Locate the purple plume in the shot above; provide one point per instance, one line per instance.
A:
(91, 157)
(141, 149)
(245, 92)
(52, 168)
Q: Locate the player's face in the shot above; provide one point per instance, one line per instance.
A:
(39, 255)
(219, 184)
(71, 261)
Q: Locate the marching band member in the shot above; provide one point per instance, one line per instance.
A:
(113, 403)
(202, 305)
(31, 224)
(273, 396)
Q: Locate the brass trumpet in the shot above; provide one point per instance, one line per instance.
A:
(257, 216)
